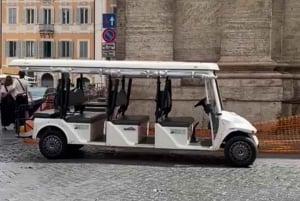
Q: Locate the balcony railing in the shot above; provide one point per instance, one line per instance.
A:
(46, 1)
(46, 28)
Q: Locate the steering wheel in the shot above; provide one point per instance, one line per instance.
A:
(201, 102)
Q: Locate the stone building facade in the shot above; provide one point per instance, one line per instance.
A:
(256, 43)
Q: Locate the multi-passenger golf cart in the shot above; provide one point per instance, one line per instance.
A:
(70, 126)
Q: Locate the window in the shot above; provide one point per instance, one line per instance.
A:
(65, 49)
(11, 48)
(83, 15)
(12, 16)
(47, 16)
(83, 49)
(65, 16)
(29, 48)
(29, 16)
(46, 49)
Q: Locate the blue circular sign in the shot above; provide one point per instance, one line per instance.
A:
(109, 35)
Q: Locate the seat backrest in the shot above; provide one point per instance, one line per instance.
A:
(163, 100)
(76, 97)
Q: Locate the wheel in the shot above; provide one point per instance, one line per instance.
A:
(74, 147)
(53, 144)
(240, 151)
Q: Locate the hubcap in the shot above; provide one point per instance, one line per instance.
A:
(240, 151)
(52, 145)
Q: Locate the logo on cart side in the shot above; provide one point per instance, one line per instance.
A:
(81, 127)
(177, 131)
(129, 129)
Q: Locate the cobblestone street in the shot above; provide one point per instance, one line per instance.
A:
(26, 175)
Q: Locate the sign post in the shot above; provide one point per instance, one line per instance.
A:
(109, 35)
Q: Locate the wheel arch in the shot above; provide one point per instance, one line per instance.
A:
(44, 130)
(234, 134)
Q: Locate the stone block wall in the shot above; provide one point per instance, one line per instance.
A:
(255, 42)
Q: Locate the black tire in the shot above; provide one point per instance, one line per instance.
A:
(240, 151)
(74, 147)
(53, 144)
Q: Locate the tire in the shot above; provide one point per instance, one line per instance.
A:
(240, 151)
(53, 144)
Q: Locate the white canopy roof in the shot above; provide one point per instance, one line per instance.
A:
(118, 68)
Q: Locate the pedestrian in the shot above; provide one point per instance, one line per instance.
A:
(8, 103)
(20, 93)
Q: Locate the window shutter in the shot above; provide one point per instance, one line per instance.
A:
(24, 16)
(78, 15)
(60, 16)
(7, 48)
(18, 48)
(34, 48)
(41, 49)
(71, 16)
(52, 15)
(35, 16)
(52, 49)
(71, 49)
(87, 49)
(60, 50)
(41, 19)
(23, 49)
(89, 15)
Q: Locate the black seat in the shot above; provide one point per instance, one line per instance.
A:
(47, 114)
(86, 117)
(131, 120)
(164, 106)
(177, 122)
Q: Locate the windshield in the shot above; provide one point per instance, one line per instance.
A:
(37, 91)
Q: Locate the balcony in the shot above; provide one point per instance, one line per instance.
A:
(46, 1)
(46, 28)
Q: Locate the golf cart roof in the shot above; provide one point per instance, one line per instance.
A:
(118, 68)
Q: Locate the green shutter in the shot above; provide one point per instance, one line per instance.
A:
(89, 16)
(52, 49)
(71, 16)
(23, 49)
(7, 48)
(24, 16)
(52, 16)
(71, 49)
(78, 15)
(41, 49)
(60, 49)
(60, 15)
(34, 49)
(41, 19)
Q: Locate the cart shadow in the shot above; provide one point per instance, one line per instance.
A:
(146, 159)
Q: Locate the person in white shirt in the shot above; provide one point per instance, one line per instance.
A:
(20, 85)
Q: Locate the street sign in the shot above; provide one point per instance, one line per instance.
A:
(108, 49)
(109, 53)
(109, 35)
(108, 46)
(109, 20)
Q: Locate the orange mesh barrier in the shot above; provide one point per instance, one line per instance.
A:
(279, 136)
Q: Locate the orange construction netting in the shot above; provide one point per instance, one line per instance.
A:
(281, 135)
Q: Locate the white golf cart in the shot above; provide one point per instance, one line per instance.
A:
(71, 125)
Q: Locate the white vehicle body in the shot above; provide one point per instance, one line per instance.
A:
(96, 129)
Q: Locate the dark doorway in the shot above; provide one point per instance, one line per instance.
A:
(47, 80)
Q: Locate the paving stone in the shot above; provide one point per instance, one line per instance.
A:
(89, 175)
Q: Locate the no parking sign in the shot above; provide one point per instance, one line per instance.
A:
(109, 35)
